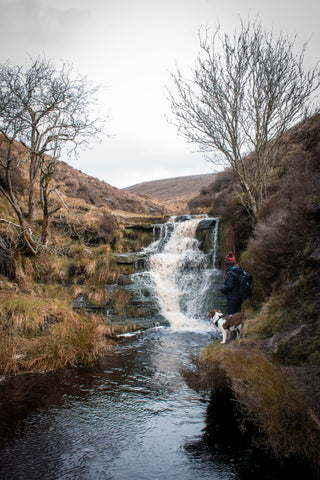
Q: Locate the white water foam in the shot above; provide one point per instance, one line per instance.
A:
(181, 277)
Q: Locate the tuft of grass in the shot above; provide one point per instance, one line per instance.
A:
(8, 354)
(22, 314)
(272, 319)
(41, 333)
(206, 374)
(91, 266)
(96, 295)
(286, 426)
(56, 293)
(101, 270)
(75, 341)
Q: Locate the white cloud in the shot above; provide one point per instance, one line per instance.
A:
(130, 46)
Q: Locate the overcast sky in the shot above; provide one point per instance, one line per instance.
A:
(131, 46)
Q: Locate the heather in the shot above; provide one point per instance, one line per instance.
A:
(272, 374)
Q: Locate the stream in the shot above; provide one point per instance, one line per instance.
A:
(133, 416)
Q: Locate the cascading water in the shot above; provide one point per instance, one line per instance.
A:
(180, 276)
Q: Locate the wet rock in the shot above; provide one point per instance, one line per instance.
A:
(204, 234)
(140, 227)
(182, 218)
(206, 223)
(141, 262)
(125, 258)
(124, 280)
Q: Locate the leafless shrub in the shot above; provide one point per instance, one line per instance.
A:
(42, 112)
(218, 197)
(107, 229)
(72, 183)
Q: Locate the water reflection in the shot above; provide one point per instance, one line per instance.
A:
(126, 419)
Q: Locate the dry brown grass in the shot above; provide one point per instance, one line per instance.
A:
(9, 349)
(22, 314)
(96, 295)
(75, 341)
(41, 332)
(38, 328)
(120, 299)
(173, 188)
(95, 192)
(284, 424)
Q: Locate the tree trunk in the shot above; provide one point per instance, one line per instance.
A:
(33, 172)
(45, 229)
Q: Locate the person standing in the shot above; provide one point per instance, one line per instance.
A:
(231, 289)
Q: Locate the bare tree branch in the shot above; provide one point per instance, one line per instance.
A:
(49, 112)
(245, 91)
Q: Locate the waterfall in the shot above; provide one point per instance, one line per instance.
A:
(180, 276)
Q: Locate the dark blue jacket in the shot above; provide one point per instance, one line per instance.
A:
(231, 283)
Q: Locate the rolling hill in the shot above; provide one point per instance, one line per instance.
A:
(174, 192)
(171, 188)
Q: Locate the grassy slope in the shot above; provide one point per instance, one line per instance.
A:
(169, 188)
(273, 371)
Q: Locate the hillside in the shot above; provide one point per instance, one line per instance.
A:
(165, 196)
(159, 197)
(72, 183)
(281, 339)
(93, 191)
(176, 192)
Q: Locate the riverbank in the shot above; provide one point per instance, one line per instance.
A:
(41, 332)
(267, 402)
(274, 375)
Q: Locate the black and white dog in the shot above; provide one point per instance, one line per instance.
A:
(227, 323)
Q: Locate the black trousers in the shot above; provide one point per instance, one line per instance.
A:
(234, 306)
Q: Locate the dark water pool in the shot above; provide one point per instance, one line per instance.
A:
(133, 417)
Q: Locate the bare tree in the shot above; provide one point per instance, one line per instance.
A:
(46, 110)
(245, 92)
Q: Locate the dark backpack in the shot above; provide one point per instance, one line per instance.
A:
(245, 284)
